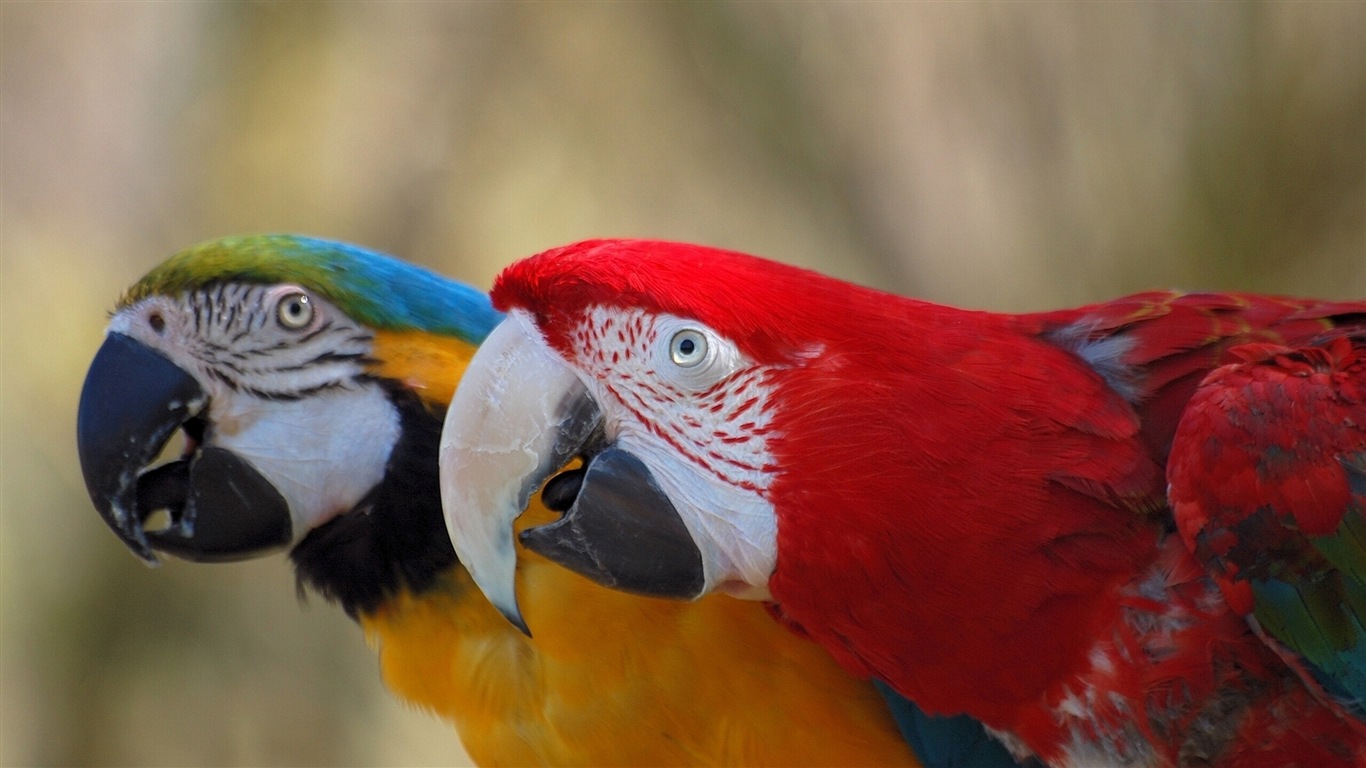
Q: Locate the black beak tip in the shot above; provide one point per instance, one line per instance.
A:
(133, 400)
(222, 508)
(141, 549)
(134, 538)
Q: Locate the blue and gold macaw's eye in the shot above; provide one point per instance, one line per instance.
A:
(687, 348)
(295, 310)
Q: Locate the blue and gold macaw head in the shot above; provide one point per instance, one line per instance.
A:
(305, 376)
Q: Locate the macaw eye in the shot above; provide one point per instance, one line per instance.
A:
(688, 348)
(294, 311)
(695, 357)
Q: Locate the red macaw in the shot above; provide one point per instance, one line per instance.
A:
(971, 507)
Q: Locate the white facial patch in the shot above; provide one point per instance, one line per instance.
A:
(321, 471)
(696, 413)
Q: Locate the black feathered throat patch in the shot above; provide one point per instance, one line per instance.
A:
(395, 538)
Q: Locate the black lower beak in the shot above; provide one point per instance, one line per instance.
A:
(620, 530)
(230, 512)
(221, 508)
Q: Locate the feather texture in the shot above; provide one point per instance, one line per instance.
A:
(973, 506)
(1268, 485)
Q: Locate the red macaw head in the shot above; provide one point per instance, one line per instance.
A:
(653, 362)
(659, 364)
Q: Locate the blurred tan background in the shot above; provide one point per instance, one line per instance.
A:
(1009, 156)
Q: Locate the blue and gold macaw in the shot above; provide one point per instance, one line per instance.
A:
(310, 380)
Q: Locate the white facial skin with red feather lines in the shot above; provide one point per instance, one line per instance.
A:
(672, 391)
(504, 429)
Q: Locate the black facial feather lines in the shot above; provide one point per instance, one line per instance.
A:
(239, 340)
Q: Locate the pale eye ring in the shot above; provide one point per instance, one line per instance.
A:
(687, 348)
(294, 311)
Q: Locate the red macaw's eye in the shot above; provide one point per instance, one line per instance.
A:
(687, 348)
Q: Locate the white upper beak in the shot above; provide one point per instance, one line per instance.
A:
(519, 414)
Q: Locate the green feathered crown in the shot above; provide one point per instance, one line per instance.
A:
(373, 288)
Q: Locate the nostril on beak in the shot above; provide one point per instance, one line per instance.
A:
(157, 322)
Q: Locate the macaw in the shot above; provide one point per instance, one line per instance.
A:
(310, 379)
(969, 507)
(1267, 482)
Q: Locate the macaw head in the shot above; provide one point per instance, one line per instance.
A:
(661, 366)
(304, 375)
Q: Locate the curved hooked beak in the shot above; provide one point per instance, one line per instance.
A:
(134, 399)
(520, 414)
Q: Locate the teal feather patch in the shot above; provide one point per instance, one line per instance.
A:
(1313, 599)
(1322, 624)
(941, 741)
(375, 289)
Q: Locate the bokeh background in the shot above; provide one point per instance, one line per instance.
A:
(1006, 156)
